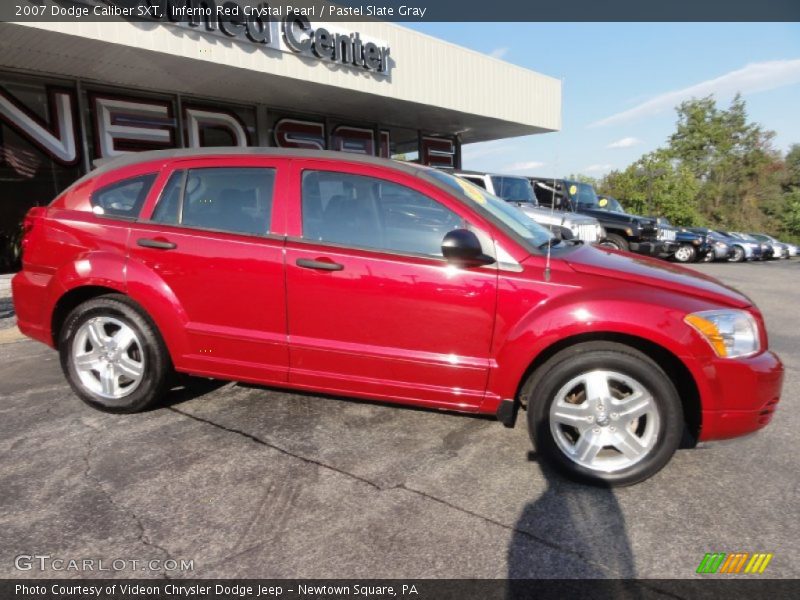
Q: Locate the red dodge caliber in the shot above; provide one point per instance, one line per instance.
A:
(366, 277)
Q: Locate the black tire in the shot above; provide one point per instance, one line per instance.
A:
(738, 255)
(708, 257)
(686, 253)
(540, 391)
(616, 241)
(156, 363)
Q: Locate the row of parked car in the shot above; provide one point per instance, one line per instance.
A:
(574, 210)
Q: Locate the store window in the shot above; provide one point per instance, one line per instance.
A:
(39, 152)
(212, 125)
(130, 123)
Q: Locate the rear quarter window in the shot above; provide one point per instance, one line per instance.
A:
(123, 199)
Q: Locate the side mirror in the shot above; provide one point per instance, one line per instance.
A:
(463, 248)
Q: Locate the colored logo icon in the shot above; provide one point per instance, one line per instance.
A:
(735, 563)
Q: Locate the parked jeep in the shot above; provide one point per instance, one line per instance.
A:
(686, 249)
(623, 231)
(692, 246)
(519, 191)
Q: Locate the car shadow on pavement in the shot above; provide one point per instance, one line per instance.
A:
(188, 388)
(364, 401)
(585, 526)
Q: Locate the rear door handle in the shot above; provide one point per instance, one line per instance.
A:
(321, 265)
(157, 244)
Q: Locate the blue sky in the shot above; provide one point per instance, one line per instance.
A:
(621, 82)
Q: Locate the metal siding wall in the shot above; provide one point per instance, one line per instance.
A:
(448, 81)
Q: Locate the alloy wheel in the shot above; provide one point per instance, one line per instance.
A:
(684, 254)
(604, 420)
(108, 357)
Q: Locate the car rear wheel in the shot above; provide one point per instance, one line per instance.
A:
(738, 254)
(113, 356)
(615, 241)
(604, 413)
(685, 253)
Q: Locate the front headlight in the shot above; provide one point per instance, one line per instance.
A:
(731, 333)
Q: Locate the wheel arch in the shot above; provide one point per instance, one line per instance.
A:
(70, 300)
(76, 296)
(675, 369)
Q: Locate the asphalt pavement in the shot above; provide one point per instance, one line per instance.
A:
(245, 481)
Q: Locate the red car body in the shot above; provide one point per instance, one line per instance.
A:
(388, 326)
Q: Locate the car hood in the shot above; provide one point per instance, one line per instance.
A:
(610, 263)
(617, 217)
(737, 241)
(554, 215)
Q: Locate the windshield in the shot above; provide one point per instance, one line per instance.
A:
(510, 216)
(610, 204)
(583, 195)
(513, 189)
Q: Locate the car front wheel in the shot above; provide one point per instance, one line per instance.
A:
(113, 356)
(738, 254)
(615, 241)
(604, 413)
(685, 253)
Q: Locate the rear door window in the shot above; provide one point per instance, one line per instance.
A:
(230, 199)
(124, 198)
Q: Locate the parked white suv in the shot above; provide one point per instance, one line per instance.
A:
(518, 191)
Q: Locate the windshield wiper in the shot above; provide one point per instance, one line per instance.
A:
(549, 243)
(554, 241)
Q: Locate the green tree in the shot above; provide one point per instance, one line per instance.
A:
(656, 185)
(791, 216)
(792, 162)
(593, 181)
(733, 160)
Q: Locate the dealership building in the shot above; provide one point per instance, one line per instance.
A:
(78, 90)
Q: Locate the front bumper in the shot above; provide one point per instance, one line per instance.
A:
(654, 247)
(742, 397)
(723, 252)
(753, 253)
(704, 249)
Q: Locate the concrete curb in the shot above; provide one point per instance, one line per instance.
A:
(10, 335)
(5, 285)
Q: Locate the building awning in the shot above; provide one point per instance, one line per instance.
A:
(431, 85)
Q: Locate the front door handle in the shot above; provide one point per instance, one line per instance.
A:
(321, 265)
(157, 244)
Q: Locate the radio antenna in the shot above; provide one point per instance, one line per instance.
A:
(552, 210)
(550, 227)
